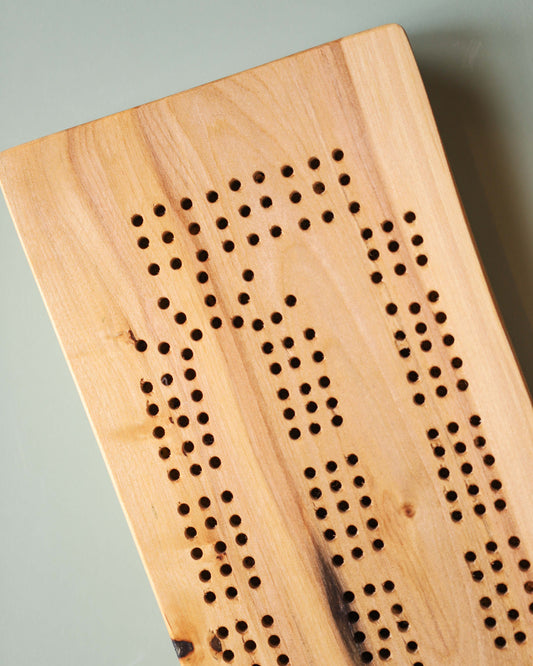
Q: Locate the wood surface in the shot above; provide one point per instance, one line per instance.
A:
(285, 253)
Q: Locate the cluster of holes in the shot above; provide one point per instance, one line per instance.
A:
(266, 202)
(294, 362)
(257, 324)
(421, 328)
(369, 591)
(225, 570)
(466, 468)
(426, 345)
(500, 588)
(244, 211)
(393, 246)
(343, 506)
(295, 197)
(181, 420)
(496, 565)
(220, 547)
(319, 188)
(249, 645)
(211, 523)
(167, 237)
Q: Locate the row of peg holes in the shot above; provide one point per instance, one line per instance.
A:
(384, 633)
(473, 489)
(241, 539)
(426, 345)
(435, 372)
(480, 509)
(182, 421)
(204, 502)
(441, 391)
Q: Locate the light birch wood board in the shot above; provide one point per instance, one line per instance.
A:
(271, 303)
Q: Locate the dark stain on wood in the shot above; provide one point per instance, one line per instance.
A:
(215, 644)
(409, 509)
(338, 607)
(183, 648)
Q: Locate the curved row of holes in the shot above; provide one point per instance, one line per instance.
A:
(259, 177)
(245, 210)
(228, 245)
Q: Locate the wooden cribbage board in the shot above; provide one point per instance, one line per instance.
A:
(271, 303)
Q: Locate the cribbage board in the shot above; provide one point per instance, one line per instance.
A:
(271, 303)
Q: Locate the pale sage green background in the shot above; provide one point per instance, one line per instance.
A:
(72, 588)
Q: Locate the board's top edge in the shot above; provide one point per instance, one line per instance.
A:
(390, 28)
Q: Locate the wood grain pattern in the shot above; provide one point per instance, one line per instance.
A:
(272, 306)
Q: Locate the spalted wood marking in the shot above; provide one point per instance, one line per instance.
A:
(216, 644)
(338, 607)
